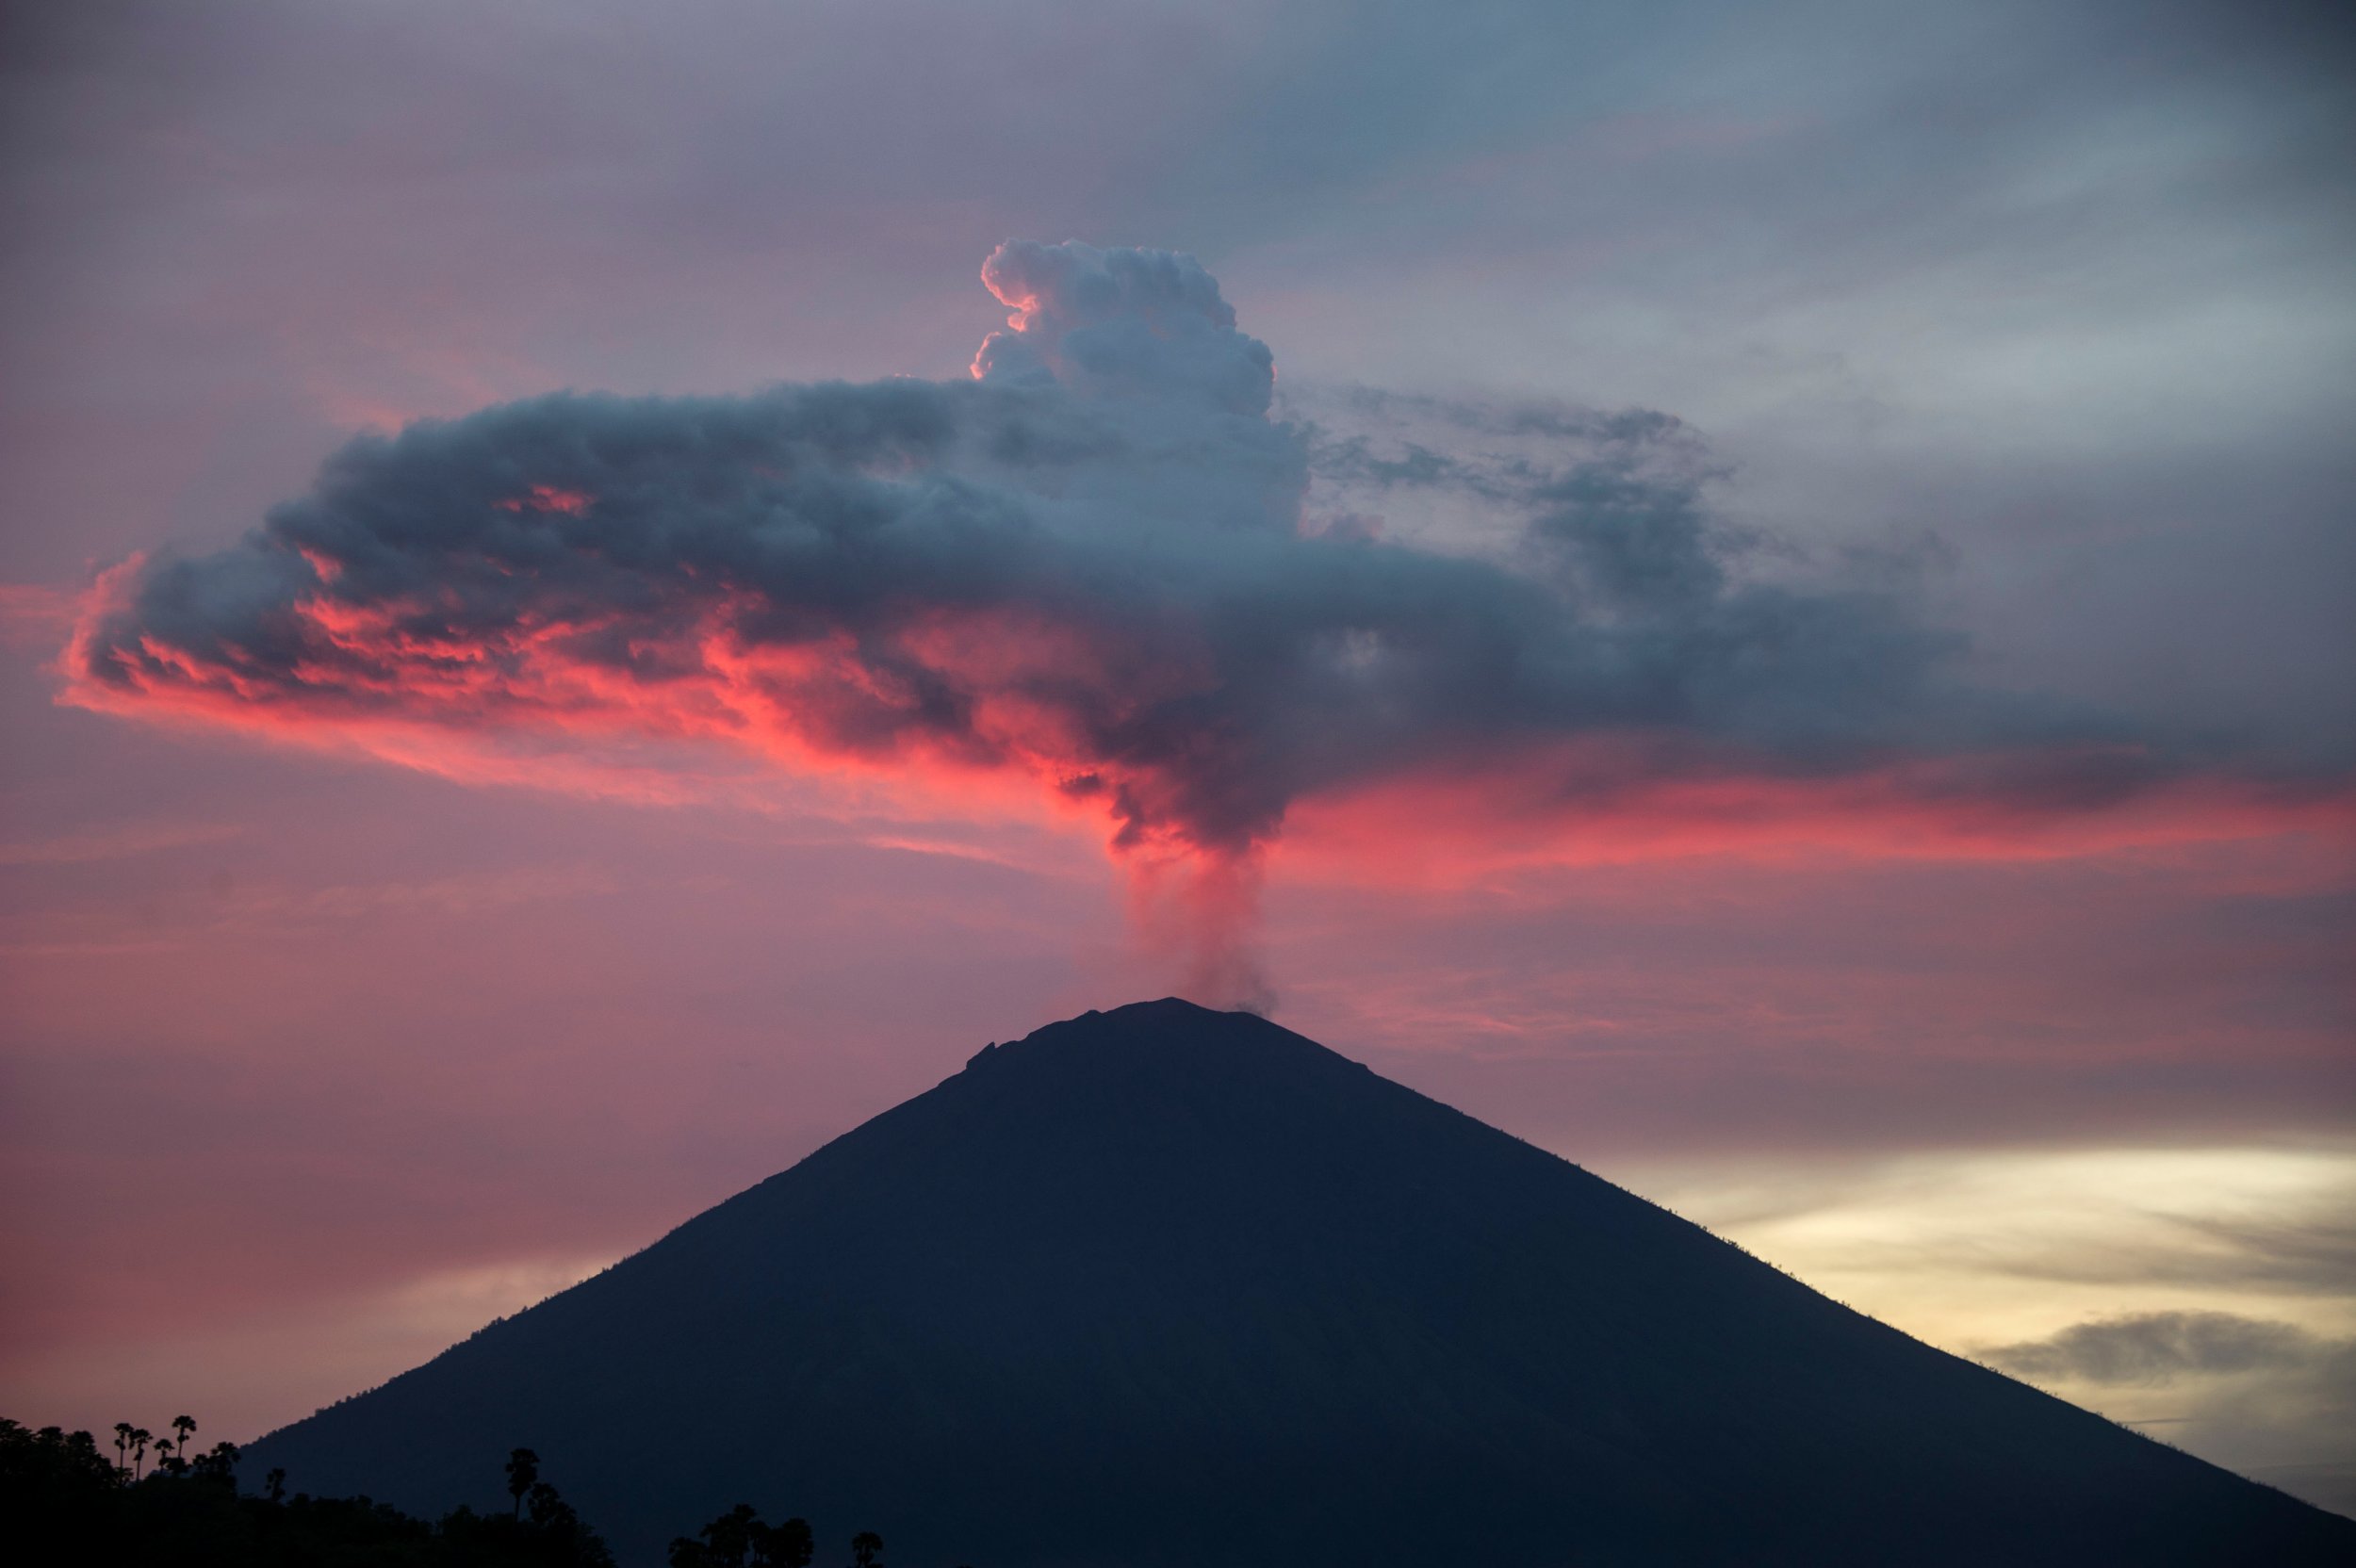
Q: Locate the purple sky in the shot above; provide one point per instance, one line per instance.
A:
(2027, 325)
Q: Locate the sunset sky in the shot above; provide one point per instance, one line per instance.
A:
(1757, 594)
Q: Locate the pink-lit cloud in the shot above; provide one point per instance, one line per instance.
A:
(1089, 579)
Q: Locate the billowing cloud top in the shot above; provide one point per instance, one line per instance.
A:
(1108, 323)
(1099, 563)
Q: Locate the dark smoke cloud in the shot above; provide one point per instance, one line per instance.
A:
(2158, 1348)
(2272, 1399)
(1100, 562)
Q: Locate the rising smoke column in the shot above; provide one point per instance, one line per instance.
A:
(1094, 565)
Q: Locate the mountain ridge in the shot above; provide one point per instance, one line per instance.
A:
(1162, 1285)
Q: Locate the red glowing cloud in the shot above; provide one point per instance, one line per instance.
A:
(1085, 579)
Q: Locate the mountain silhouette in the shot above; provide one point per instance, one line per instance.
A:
(1175, 1288)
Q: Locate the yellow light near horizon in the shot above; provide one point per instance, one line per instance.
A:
(1988, 1247)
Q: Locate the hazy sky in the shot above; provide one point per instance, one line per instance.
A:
(1782, 632)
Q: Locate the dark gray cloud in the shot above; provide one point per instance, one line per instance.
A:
(2077, 266)
(2161, 1347)
(2272, 1399)
(1098, 563)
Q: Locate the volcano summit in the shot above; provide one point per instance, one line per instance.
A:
(1177, 1289)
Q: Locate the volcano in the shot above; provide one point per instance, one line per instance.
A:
(1175, 1288)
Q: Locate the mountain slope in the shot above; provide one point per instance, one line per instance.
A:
(1164, 1286)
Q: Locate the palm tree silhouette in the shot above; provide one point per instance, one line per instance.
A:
(140, 1438)
(123, 1448)
(186, 1426)
(276, 1482)
(523, 1468)
(866, 1547)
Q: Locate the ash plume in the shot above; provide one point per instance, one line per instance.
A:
(1102, 564)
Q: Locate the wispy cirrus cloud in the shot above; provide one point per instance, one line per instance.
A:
(114, 843)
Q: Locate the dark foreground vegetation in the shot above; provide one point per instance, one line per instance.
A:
(158, 1500)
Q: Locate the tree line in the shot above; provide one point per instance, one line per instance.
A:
(160, 1499)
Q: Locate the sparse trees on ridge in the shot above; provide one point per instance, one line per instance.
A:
(738, 1539)
(61, 1491)
(59, 1487)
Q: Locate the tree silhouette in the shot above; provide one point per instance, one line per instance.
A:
(523, 1469)
(61, 1488)
(738, 1539)
(725, 1542)
(59, 1493)
(550, 1512)
(786, 1545)
(48, 1466)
